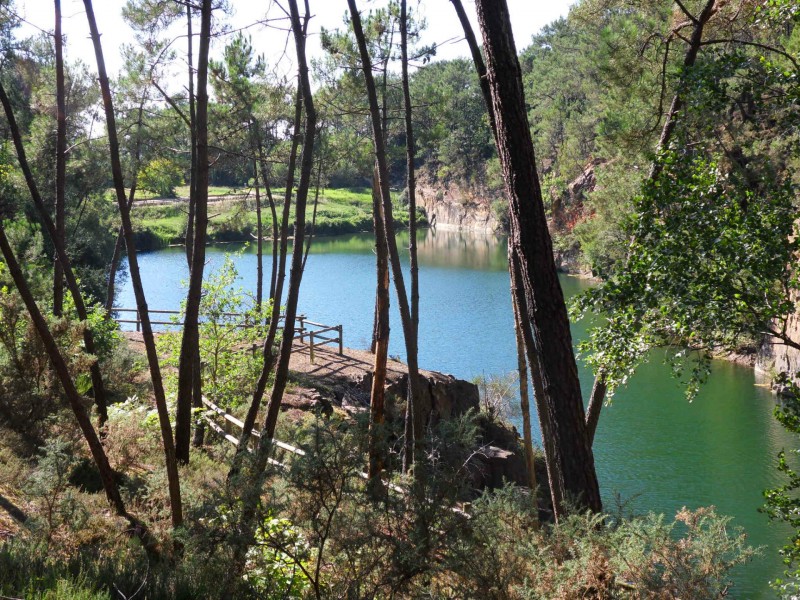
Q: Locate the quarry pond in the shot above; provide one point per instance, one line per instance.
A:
(654, 451)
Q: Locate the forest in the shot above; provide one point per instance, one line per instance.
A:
(651, 147)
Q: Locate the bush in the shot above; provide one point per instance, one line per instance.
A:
(160, 176)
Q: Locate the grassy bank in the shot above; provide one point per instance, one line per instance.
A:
(339, 211)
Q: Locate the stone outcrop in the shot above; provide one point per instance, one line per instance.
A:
(345, 380)
(773, 358)
(450, 207)
(567, 210)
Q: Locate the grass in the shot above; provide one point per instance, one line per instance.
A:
(339, 211)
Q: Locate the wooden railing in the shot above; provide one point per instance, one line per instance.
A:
(303, 328)
(225, 432)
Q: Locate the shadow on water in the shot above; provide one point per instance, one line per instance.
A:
(653, 447)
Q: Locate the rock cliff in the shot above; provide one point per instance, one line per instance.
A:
(451, 207)
(773, 359)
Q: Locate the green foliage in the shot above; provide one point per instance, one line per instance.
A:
(454, 139)
(782, 502)
(160, 176)
(708, 267)
(594, 555)
(50, 488)
(231, 364)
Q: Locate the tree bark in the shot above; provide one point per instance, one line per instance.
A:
(517, 288)
(190, 342)
(524, 403)
(377, 398)
(596, 400)
(61, 164)
(252, 492)
(530, 241)
(409, 333)
(279, 276)
(259, 241)
(136, 279)
(411, 180)
(190, 221)
(296, 274)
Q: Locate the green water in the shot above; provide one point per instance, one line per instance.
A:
(653, 448)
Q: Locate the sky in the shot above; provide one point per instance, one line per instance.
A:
(443, 28)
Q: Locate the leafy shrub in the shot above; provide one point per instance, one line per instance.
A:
(160, 176)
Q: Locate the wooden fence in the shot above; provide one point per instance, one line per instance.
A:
(225, 431)
(318, 334)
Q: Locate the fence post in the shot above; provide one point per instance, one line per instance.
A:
(302, 319)
(225, 423)
(311, 346)
(341, 342)
(138, 320)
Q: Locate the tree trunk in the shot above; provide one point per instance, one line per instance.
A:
(61, 164)
(530, 241)
(411, 171)
(136, 279)
(190, 342)
(517, 289)
(596, 400)
(377, 396)
(252, 493)
(279, 276)
(259, 241)
(391, 241)
(190, 221)
(524, 403)
(296, 274)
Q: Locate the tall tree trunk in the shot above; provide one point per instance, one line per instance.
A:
(296, 274)
(411, 180)
(118, 245)
(530, 241)
(377, 397)
(517, 288)
(279, 276)
(252, 493)
(61, 252)
(600, 386)
(190, 221)
(524, 402)
(273, 279)
(545, 425)
(259, 241)
(411, 185)
(173, 480)
(190, 342)
(61, 164)
(391, 241)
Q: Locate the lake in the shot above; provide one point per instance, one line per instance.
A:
(653, 449)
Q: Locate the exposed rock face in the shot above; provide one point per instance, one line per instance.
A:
(449, 207)
(567, 207)
(567, 210)
(345, 381)
(773, 359)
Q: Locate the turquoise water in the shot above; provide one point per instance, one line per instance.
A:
(653, 448)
